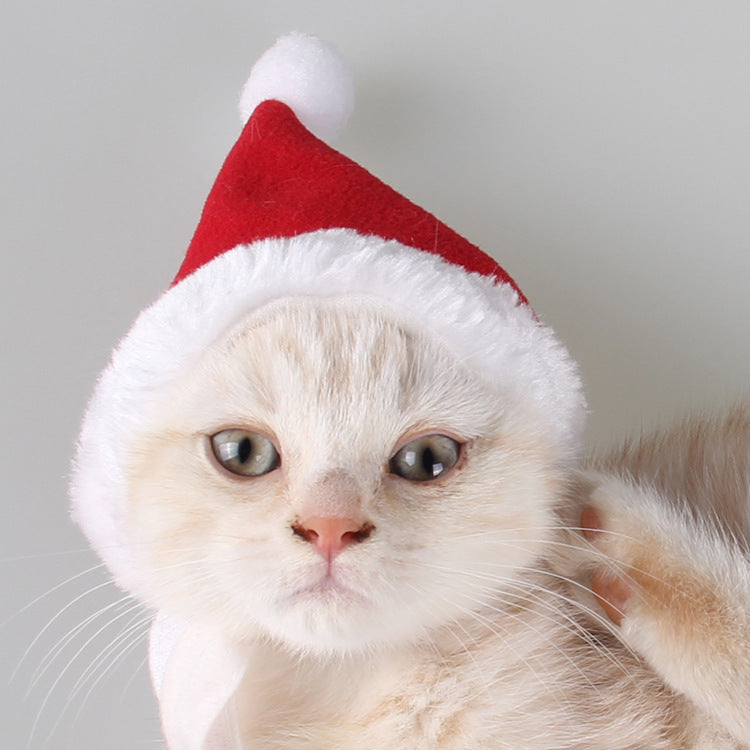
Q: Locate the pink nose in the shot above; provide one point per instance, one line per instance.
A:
(331, 535)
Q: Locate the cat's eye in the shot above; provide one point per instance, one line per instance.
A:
(425, 458)
(246, 453)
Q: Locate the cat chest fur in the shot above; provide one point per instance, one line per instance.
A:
(497, 685)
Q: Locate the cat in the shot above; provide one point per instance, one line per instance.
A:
(404, 558)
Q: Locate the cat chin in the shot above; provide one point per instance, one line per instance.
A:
(327, 643)
(334, 623)
(341, 643)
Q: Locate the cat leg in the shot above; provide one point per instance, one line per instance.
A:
(676, 592)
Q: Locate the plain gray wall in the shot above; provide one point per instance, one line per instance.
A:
(598, 149)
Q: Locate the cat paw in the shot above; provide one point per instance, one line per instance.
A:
(637, 553)
(612, 588)
(620, 551)
(613, 547)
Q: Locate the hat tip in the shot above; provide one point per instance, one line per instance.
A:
(307, 74)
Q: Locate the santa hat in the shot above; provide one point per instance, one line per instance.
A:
(289, 216)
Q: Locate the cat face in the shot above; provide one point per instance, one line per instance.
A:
(337, 481)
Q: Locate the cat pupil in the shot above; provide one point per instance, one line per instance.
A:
(430, 464)
(244, 449)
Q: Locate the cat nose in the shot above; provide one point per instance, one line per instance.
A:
(331, 535)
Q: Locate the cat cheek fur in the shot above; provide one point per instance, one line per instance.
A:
(198, 532)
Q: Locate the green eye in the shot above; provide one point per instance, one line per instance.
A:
(246, 453)
(424, 458)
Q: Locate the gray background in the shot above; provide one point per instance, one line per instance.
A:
(598, 149)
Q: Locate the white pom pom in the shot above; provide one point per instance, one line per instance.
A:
(309, 76)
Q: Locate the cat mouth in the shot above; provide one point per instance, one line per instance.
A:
(327, 588)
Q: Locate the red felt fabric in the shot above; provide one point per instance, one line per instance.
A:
(279, 180)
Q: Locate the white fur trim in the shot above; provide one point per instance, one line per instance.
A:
(479, 320)
(310, 76)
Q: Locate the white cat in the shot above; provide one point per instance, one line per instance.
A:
(339, 456)
(377, 530)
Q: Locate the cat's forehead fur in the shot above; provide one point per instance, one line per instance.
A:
(352, 378)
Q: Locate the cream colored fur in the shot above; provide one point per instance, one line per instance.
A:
(451, 626)
(676, 513)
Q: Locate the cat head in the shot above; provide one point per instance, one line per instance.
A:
(332, 478)
(290, 218)
(481, 323)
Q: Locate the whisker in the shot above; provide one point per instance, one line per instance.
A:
(536, 594)
(58, 615)
(493, 628)
(453, 621)
(70, 663)
(50, 591)
(53, 653)
(526, 529)
(136, 621)
(45, 555)
(131, 637)
(130, 681)
(513, 583)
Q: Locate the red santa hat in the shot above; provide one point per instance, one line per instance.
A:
(290, 216)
